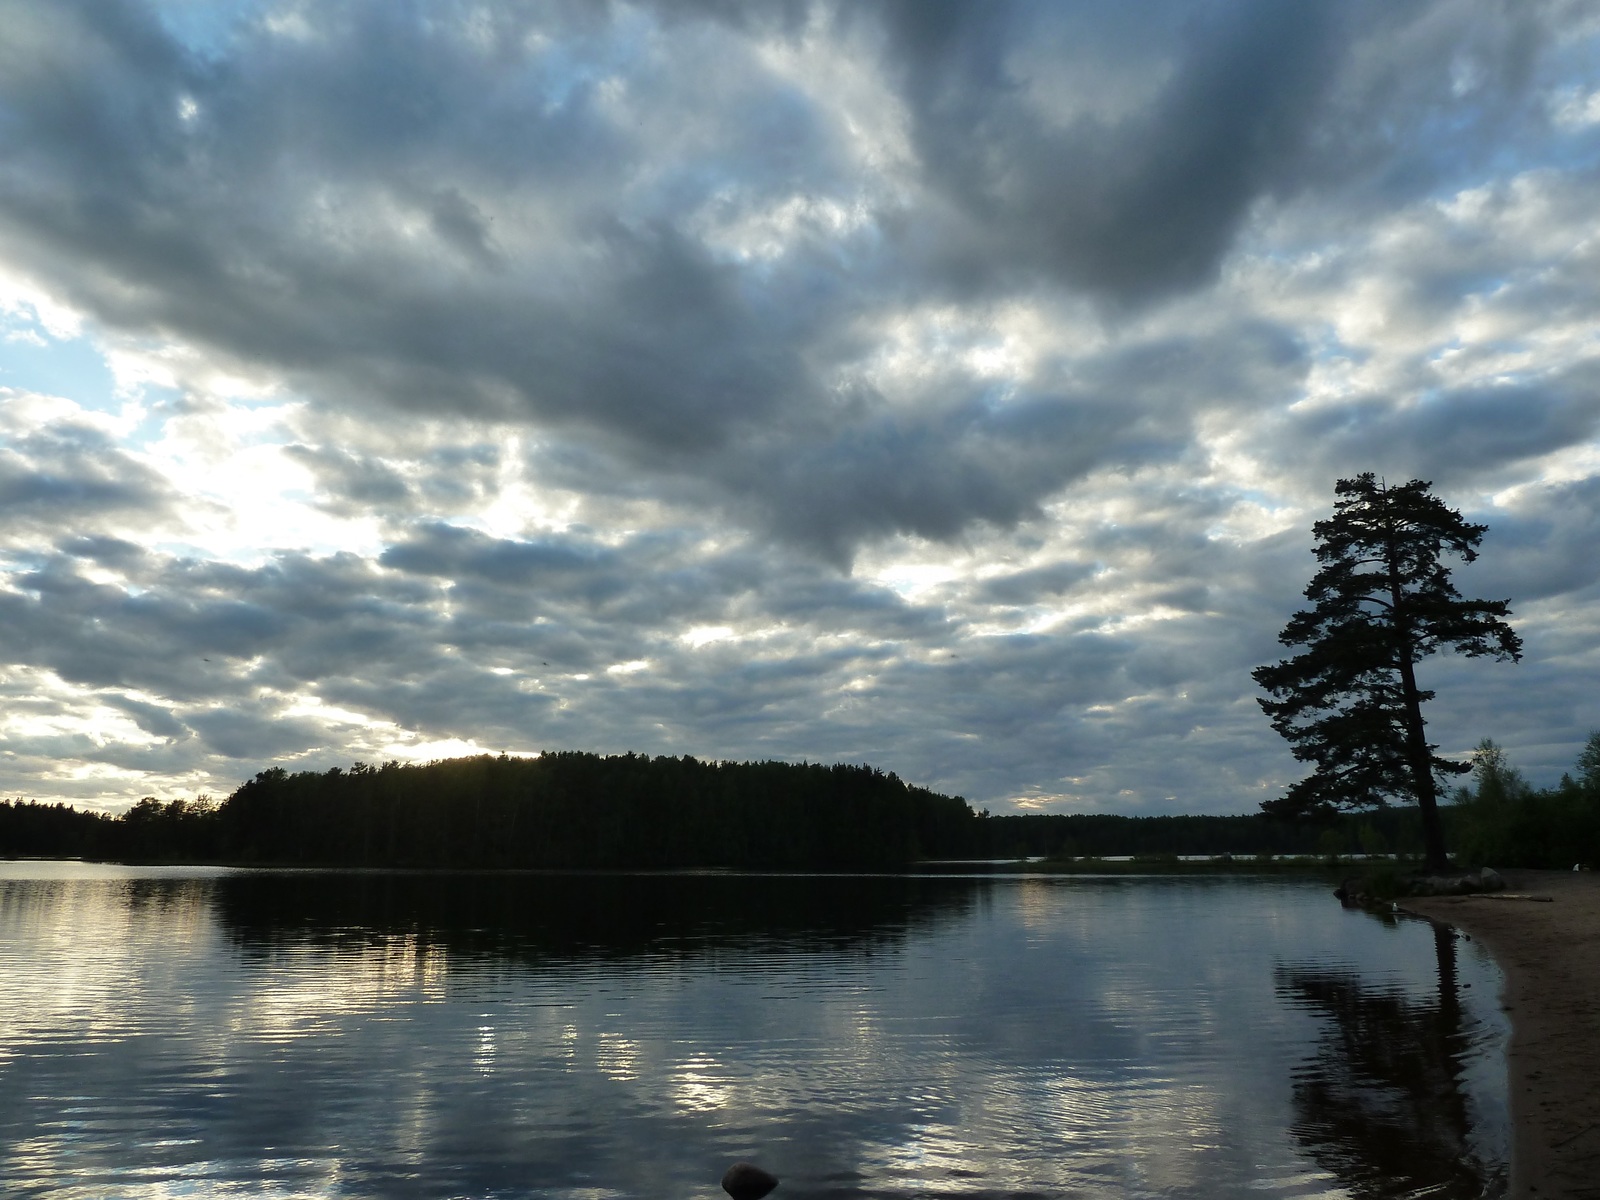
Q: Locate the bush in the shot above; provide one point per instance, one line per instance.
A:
(1504, 822)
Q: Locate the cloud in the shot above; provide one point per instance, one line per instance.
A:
(254, 737)
(1129, 196)
(353, 484)
(64, 469)
(544, 237)
(947, 385)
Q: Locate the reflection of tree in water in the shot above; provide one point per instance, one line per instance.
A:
(1381, 1103)
(165, 896)
(559, 917)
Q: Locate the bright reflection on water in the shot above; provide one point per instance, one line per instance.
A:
(293, 1034)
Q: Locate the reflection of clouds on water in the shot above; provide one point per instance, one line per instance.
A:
(87, 962)
(484, 1059)
(700, 1084)
(933, 1150)
(299, 992)
(957, 1040)
(617, 1057)
(1038, 904)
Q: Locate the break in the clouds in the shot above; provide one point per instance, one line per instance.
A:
(948, 386)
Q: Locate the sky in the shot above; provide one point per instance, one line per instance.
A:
(949, 387)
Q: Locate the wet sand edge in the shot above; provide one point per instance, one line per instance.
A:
(1549, 954)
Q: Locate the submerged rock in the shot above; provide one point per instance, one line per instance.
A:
(746, 1181)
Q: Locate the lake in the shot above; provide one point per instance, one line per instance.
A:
(197, 1032)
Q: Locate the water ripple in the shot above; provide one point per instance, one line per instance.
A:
(302, 1035)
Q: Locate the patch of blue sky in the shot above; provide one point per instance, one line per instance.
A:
(1565, 136)
(565, 68)
(1571, 66)
(207, 28)
(1324, 345)
(1270, 501)
(998, 396)
(158, 403)
(73, 368)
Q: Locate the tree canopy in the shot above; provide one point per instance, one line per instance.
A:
(1349, 704)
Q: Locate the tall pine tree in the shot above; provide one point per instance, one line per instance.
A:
(1382, 600)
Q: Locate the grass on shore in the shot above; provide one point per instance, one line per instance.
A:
(1172, 864)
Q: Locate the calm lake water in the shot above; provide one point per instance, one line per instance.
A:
(201, 1033)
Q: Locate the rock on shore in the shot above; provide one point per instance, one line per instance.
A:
(1370, 890)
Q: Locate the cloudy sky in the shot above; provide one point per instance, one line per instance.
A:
(944, 386)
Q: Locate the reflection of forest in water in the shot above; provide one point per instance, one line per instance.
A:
(1383, 1102)
(567, 917)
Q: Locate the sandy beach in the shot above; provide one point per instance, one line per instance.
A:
(1550, 954)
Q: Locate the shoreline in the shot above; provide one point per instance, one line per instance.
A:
(1549, 954)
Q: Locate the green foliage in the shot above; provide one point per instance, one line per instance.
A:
(1383, 880)
(1370, 839)
(1503, 822)
(1333, 842)
(1382, 600)
(1588, 763)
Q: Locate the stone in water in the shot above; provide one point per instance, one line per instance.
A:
(746, 1181)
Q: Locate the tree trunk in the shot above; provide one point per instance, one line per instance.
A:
(1416, 733)
(1422, 769)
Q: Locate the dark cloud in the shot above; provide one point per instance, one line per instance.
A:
(107, 636)
(353, 484)
(1035, 584)
(1131, 204)
(66, 472)
(1547, 545)
(254, 737)
(1478, 428)
(108, 551)
(932, 476)
(451, 552)
(152, 718)
(1451, 435)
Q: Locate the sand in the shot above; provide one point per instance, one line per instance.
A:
(1550, 955)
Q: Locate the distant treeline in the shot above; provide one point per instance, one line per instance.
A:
(1106, 835)
(1503, 820)
(560, 810)
(56, 831)
(573, 810)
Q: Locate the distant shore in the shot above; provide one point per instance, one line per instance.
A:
(1187, 864)
(1550, 955)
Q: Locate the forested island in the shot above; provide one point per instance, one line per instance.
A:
(562, 810)
(581, 811)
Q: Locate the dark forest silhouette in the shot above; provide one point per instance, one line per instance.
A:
(566, 810)
(573, 810)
